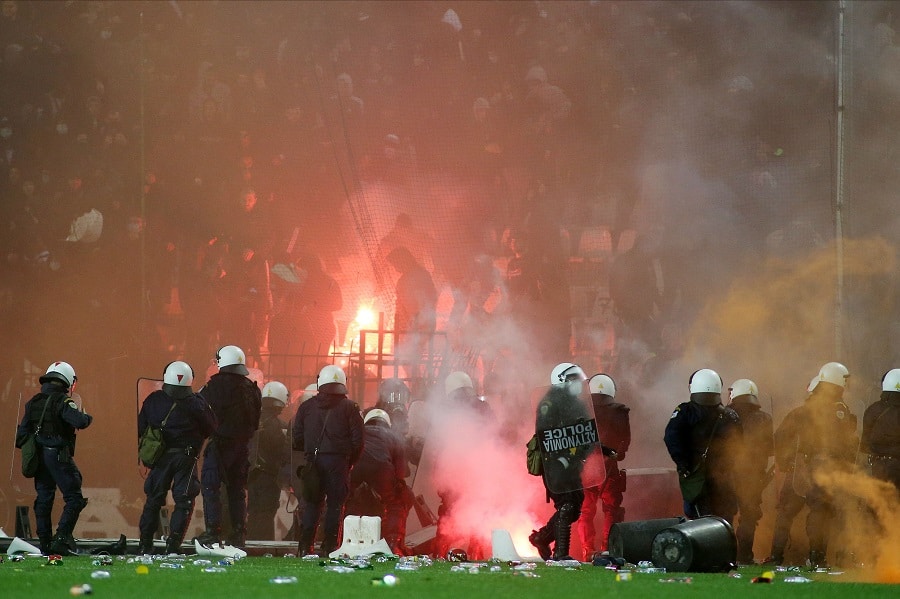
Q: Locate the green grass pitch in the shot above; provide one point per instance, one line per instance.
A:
(251, 577)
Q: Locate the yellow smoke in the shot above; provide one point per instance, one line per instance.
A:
(776, 322)
(869, 510)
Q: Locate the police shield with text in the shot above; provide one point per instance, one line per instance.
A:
(567, 437)
(614, 428)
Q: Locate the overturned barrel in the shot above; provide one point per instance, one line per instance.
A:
(633, 540)
(703, 545)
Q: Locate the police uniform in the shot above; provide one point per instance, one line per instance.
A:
(751, 474)
(788, 503)
(236, 402)
(189, 421)
(705, 437)
(562, 473)
(393, 396)
(381, 472)
(56, 464)
(819, 435)
(614, 429)
(881, 437)
(269, 454)
(329, 430)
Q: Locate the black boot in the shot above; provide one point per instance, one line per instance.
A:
(145, 545)
(173, 542)
(64, 544)
(563, 537)
(45, 543)
(541, 541)
(564, 532)
(210, 537)
(178, 525)
(305, 545)
(119, 547)
(817, 559)
(238, 538)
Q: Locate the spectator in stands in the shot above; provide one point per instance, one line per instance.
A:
(645, 294)
(415, 313)
(405, 234)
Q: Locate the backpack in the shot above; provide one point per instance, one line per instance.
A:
(30, 448)
(151, 445)
(533, 457)
(30, 460)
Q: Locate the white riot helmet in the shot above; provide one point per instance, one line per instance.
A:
(277, 392)
(812, 384)
(706, 387)
(834, 373)
(309, 392)
(377, 413)
(231, 358)
(565, 371)
(743, 387)
(178, 373)
(706, 380)
(570, 376)
(60, 371)
(457, 380)
(333, 377)
(891, 380)
(602, 384)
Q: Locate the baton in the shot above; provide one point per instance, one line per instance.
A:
(13, 458)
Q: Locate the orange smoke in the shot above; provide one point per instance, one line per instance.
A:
(871, 520)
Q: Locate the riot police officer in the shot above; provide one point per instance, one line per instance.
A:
(788, 503)
(881, 430)
(562, 469)
(820, 435)
(393, 398)
(236, 401)
(380, 474)
(52, 416)
(751, 473)
(614, 428)
(702, 437)
(189, 421)
(328, 428)
(269, 453)
(464, 411)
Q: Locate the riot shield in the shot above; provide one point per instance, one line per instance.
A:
(143, 389)
(568, 440)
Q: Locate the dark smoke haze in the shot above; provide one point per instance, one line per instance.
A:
(709, 125)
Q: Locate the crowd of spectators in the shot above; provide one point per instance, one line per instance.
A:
(207, 134)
